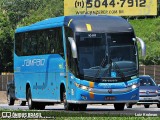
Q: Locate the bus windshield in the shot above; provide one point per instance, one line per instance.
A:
(122, 47)
(98, 51)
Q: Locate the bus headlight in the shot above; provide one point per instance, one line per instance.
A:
(134, 86)
(82, 86)
(158, 91)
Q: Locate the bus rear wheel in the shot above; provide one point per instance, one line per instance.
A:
(119, 106)
(10, 100)
(31, 104)
(22, 103)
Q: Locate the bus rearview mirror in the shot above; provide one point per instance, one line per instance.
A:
(143, 46)
(73, 47)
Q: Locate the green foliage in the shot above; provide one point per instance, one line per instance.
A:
(16, 10)
(49, 8)
(15, 13)
(148, 30)
(6, 41)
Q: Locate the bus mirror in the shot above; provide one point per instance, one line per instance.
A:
(73, 47)
(143, 46)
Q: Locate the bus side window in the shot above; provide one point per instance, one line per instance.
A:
(58, 43)
(53, 41)
(18, 43)
(50, 41)
(34, 43)
(25, 44)
(41, 43)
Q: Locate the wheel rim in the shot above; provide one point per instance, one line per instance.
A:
(29, 101)
(20, 102)
(64, 99)
(8, 98)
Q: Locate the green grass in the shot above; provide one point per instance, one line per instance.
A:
(112, 118)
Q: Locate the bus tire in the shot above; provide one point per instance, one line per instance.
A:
(82, 107)
(146, 106)
(158, 105)
(22, 103)
(75, 107)
(119, 106)
(31, 104)
(67, 106)
(129, 105)
(10, 100)
(39, 106)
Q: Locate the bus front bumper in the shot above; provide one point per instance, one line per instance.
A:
(86, 97)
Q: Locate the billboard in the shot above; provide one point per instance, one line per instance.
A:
(111, 7)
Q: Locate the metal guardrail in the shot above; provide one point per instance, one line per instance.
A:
(4, 79)
(152, 70)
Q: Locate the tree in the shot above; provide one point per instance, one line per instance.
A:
(6, 42)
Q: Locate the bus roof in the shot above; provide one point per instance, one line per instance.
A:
(98, 23)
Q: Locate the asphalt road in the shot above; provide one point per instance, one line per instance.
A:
(137, 110)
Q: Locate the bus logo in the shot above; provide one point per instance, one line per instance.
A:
(110, 91)
(34, 62)
(147, 92)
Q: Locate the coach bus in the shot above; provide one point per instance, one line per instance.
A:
(77, 60)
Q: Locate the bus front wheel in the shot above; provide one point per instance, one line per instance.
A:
(119, 106)
(67, 106)
(82, 107)
(146, 106)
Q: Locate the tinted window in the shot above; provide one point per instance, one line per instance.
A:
(91, 48)
(122, 47)
(39, 42)
(146, 81)
(116, 39)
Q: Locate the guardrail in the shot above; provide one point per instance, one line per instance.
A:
(4, 79)
(152, 70)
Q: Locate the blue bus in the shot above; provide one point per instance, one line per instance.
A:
(77, 60)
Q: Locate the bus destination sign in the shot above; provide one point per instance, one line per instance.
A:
(111, 7)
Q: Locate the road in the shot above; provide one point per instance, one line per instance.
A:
(137, 110)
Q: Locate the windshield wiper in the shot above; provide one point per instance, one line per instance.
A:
(100, 67)
(118, 70)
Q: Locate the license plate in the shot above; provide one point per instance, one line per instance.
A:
(110, 98)
(148, 98)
